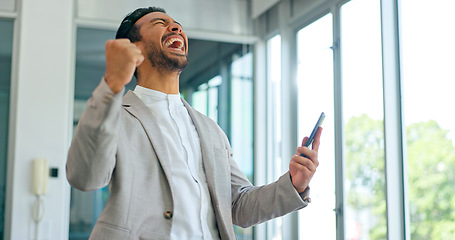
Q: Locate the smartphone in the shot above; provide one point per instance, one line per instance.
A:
(313, 133)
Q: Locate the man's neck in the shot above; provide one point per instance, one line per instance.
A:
(166, 82)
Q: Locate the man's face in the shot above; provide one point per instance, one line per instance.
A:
(164, 42)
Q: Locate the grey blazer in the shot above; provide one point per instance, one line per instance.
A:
(120, 144)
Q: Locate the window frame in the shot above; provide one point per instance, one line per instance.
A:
(395, 147)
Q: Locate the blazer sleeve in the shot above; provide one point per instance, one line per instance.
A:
(252, 205)
(91, 157)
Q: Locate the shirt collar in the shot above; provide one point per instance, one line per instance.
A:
(148, 95)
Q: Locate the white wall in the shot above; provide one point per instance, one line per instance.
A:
(41, 97)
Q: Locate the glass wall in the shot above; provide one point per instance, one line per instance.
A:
(363, 121)
(315, 95)
(6, 49)
(428, 94)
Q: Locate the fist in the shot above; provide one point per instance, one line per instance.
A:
(122, 58)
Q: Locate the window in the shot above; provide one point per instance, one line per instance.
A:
(361, 108)
(205, 98)
(274, 107)
(428, 95)
(363, 121)
(274, 160)
(315, 95)
(242, 113)
(241, 135)
(6, 49)
(199, 99)
(411, 55)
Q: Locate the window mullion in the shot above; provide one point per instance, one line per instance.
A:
(339, 132)
(395, 168)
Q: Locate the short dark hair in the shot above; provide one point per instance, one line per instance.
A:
(128, 29)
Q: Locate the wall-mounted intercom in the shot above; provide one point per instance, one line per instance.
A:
(40, 176)
(40, 179)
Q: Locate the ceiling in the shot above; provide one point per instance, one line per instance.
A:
(204, 58)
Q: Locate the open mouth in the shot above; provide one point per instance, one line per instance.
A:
(175, 43)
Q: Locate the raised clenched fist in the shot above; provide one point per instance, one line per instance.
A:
(122, 58)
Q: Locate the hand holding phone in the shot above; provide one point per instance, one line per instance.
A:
(313, 133)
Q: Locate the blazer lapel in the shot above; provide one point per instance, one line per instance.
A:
(209, 160)
(217, 171)
(137, 108)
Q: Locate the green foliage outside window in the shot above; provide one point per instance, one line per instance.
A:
(365, 170)
(431, 177)
(431, 174)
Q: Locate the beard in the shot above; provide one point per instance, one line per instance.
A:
(161, 61)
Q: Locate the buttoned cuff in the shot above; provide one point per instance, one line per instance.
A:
(305, 195)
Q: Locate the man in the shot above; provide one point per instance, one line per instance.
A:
(170, 169)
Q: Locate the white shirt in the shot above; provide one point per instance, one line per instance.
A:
(193, 216)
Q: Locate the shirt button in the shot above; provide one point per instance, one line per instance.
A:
(168, 214)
